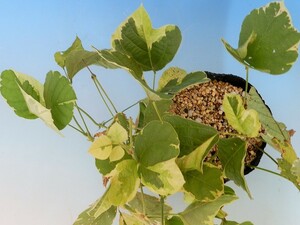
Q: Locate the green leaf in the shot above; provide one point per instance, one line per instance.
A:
(120, 60)
(60, 57)
(126, 219)
(150, 48)
(150, 204)
(101, 147)
(206, 186)
(76, 58)
(271, 126)
(137, 47)
(88, 216)
(117, 134)
(188, 132)
(148, 112)
(164, 178)
(227, 222)
(176, 85)
(290, 171)
(59, 98)
(268, 41)
(232, 153)
(204, 212)
(296, 170)
(245, 121)
(12, 84)
(157, 142)
(124, 177)
(171, 74)
(196, 140)
(174, 220)
(106, 166)
(24, 95)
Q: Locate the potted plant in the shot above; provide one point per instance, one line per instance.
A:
(195, 131)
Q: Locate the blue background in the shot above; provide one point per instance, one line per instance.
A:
(46, 179)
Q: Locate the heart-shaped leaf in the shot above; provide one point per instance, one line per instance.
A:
(157, 142)
(268, 41)
(245, 121)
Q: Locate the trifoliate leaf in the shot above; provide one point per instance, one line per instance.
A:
(116, 154)
(117, 134)
(245, 121)
(101, 147)
(268, 41)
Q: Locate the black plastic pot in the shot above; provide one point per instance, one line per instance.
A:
(239, 82)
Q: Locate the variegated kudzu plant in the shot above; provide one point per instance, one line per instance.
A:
(163, 154)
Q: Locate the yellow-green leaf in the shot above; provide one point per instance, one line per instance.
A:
(245, 121)
(101, 148)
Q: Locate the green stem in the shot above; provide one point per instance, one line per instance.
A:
(266, 170)
(77, 123)
(91, 118)
(162, 202)
(94, 78)
(105, 122)
(157, 112)
(85, 125)
(143, 200)
(269, 156)
(247, 78)
(154, 79)
(75, 128)
(106, 95)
